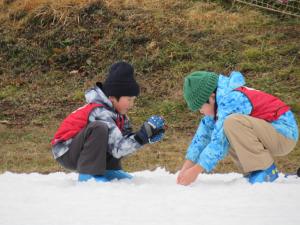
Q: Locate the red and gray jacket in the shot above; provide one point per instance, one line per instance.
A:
(121, 139)
(264, 106)
(78, 120)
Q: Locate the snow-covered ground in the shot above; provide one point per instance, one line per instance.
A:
(150, 198)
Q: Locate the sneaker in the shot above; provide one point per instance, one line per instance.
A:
(85, 177)
(117, 174)
(268, 175)
(108, 176)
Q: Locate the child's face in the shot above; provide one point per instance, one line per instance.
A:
(208, 109)
(124, 104)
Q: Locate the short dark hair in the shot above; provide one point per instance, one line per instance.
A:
(117, 97)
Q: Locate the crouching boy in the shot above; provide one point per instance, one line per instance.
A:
(93, 139)
(251, 125)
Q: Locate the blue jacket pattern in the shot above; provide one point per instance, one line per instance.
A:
(209, 144)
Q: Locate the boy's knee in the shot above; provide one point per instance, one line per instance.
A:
(99, 126)
(231, 121)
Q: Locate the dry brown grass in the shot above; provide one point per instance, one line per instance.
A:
(17, 13)
(202, 14)
(30, 5)
(212, 16)
(63, 5)
(60, 10)
(142, 4)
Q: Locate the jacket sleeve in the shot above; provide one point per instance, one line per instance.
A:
(217, 148)
(118, 144)
(200, 139)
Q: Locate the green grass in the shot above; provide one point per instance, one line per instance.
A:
(51, 52)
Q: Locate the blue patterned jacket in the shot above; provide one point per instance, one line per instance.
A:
(209, 144)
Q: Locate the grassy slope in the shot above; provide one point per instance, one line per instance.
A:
(51, 52)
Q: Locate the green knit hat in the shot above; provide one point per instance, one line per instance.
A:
(197, 88)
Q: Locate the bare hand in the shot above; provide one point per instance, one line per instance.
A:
(189, 175)
(187, 164)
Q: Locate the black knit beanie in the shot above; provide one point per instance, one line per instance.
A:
(120, 81)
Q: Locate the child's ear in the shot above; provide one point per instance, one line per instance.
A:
(212, 98)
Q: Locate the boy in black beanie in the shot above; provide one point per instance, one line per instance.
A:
(94, 138)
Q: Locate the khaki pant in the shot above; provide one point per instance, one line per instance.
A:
(254, 142)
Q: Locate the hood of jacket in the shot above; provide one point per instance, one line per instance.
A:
(96, 95)
(227, 84)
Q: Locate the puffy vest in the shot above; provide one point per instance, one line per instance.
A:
(76, 121)
(264, 106)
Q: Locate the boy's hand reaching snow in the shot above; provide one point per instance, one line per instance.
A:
(189, 175)
(151, 131)
(186, 165)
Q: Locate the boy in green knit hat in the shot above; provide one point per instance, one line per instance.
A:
(249, 125)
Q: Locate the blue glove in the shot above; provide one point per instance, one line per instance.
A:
(151, 131)
(158, 125)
